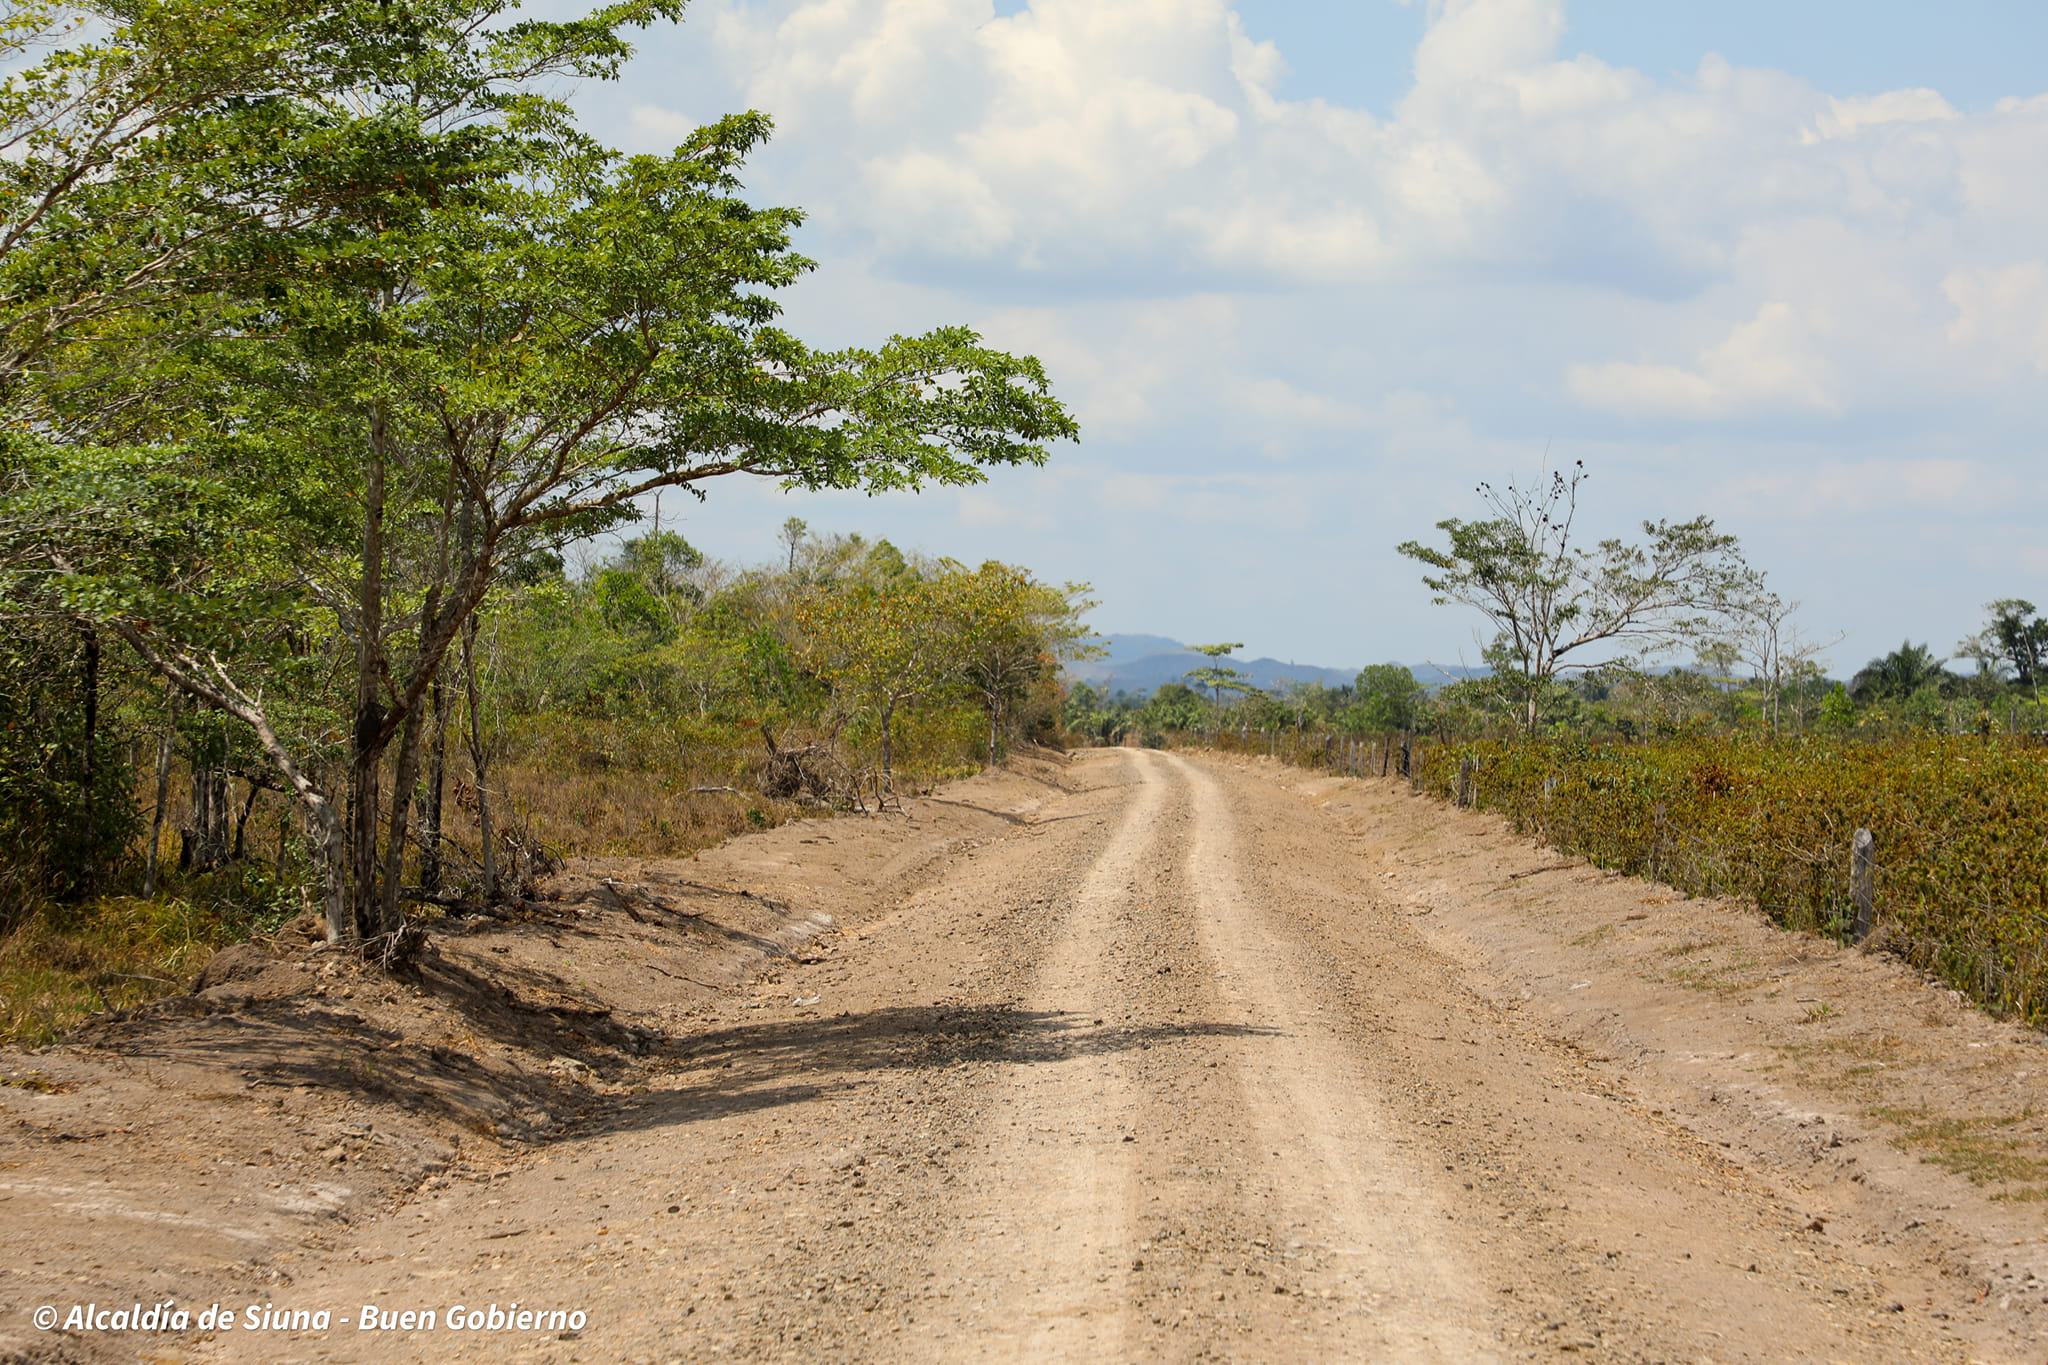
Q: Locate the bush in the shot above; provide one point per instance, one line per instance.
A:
(1961, 825)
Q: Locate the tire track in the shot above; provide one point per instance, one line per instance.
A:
(1349, 1184)
(1040, 1260)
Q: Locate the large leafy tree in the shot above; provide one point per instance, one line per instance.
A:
(1014, 632)
(492, 335)
(1556, 606)
(882, 646)
(2014, 640)
(203, 174)
(1389, 698)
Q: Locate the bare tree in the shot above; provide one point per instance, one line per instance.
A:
(1761, 632)
(1547, 599)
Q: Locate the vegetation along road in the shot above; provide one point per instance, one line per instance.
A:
(1135, 1056)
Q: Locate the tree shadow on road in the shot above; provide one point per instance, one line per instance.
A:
(761, 1066)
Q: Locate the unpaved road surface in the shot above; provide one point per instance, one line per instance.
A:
(1185, 1058)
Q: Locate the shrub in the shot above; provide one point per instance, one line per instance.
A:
(1961, 828)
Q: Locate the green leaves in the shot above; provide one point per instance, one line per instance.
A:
(1389, 698)
(315, 318)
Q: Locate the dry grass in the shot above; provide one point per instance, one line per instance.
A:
(1972, 1146)
(629, 813)
(645, 788)
(62, 966)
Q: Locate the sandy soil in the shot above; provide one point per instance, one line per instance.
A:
(1145, 1056)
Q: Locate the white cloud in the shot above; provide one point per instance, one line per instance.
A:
(2002, 315)
(1143, 138)
(1789, 250)
(1224, 281)
(1839, 487)
(1847, 117)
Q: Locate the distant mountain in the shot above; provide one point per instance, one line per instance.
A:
(1139, 663)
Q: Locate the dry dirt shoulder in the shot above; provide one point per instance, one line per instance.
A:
(1895, 1128)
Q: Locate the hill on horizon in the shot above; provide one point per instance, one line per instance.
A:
(1140, 663)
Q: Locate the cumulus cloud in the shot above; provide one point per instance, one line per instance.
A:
(1846, 117)
(1248, 297)
(1768, 361)
(1139, 145)
(2002, 315)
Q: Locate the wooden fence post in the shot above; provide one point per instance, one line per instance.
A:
(1862, 881)
(1464, 782)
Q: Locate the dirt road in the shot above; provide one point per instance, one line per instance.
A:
(1145, 1057)
(1195, 1062)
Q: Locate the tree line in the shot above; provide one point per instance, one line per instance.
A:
(1588, 639)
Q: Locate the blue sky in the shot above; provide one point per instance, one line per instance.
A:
(1309, 272)
(1973, 51)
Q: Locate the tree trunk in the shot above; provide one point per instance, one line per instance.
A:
(478, 762)
(331, 847)
(89, 777)
(437, 785)
(365, 800)
(389, 917)
(206, 836)
(414, 730)
(888, 724)
(163, 789)
(242, 824)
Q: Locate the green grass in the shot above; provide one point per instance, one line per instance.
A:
(64, 963)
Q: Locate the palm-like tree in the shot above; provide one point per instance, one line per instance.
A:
(1899, 674)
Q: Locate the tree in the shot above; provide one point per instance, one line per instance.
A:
(1014, 631)
(1837, 709)
(1761, 632)
(1217, 678)
(1548, 599)
(1172, 706)
(1389, 698)
(2014, 638)
(506, 338)
(1899, 675)
(881, 647)
(213, 184)
(792, 537)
